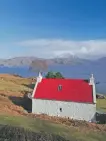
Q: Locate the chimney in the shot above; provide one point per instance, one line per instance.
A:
(92, 82)
(39, 78)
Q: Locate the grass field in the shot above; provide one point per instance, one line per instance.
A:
(101, 105)
(13, 83)
(11, 112)
(11, 133)
(36, 125)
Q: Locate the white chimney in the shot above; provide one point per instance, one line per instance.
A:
(92, 82)
(39, 78)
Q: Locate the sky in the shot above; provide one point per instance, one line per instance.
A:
(51, 28)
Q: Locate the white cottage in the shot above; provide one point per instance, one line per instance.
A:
(70, 98)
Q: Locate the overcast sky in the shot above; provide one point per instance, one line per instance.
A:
(49, 28)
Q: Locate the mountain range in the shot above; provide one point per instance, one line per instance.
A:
(26, 61)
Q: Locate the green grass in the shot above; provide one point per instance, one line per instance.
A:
(101, 105)
(36, 125)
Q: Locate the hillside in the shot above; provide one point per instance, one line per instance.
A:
(71, 133)
(12, 90)
(13, 111)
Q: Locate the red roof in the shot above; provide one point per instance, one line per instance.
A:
(75, 90)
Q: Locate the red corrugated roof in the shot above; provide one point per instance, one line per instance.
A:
(76, 90)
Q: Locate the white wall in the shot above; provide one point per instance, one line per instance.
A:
(80, 111)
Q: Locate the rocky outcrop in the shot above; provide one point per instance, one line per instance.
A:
(100, 96)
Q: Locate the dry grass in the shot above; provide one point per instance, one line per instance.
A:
(12, 86)
(12, 83)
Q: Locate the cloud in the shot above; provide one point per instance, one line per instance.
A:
(49, 48)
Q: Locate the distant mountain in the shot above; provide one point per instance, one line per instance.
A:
(18, 61)
(69, 59)
(64, 59)
(26, 61)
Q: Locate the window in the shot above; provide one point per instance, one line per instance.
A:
(59, 87)
(60, 109)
